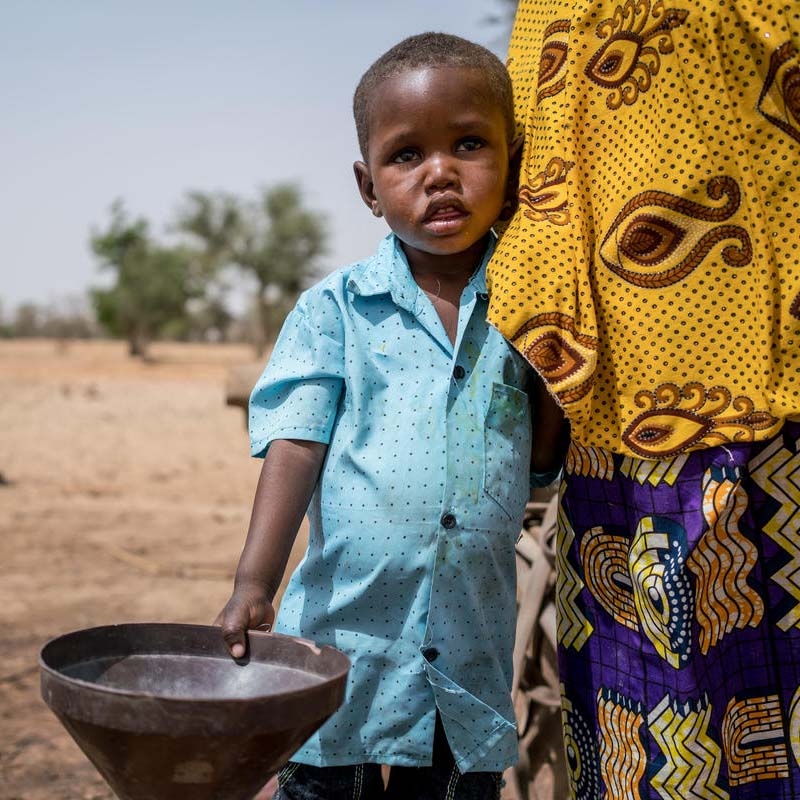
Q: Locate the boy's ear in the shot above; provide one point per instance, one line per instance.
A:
(366, 188)
(512, 184)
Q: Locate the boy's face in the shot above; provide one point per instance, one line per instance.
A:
(437, 161)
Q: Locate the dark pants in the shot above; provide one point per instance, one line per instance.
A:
(440, 781)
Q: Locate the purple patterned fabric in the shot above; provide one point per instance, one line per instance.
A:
(679, 622)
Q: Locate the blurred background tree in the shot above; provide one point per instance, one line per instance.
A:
(242, 255)
(503, 17)
(153, 283)
(275, 240)
(68, 317)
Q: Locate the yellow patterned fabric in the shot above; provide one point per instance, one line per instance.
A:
(651, 273)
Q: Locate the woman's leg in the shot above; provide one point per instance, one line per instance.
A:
(679, 622)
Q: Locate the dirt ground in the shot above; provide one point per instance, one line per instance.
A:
(125, 491)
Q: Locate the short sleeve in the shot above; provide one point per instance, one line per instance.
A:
(541, 480)
(297, 395)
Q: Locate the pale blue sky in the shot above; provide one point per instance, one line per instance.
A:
(144, 100)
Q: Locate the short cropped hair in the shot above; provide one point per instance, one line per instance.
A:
(432, 50)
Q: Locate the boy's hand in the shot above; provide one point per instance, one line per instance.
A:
(247, 609)
(288, 477)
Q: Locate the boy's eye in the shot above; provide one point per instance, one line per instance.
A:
(470, 143)
(405, 155)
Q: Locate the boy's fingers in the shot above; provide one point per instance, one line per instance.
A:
(239, 616)
(234, 638)
(235, 622)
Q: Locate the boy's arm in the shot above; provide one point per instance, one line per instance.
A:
(550, 431)
(288, 477)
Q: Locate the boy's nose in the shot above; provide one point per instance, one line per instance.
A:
(441, 174)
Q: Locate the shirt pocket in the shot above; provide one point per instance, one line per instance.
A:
(507, 448)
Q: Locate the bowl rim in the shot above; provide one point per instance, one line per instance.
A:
(59, 677)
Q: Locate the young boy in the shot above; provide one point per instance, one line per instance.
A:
(391, 407)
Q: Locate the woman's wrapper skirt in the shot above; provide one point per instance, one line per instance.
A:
(679, 622)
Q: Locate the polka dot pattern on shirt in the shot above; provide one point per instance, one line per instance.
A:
(410, 561)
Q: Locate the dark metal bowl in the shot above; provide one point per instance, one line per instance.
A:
(164, 712)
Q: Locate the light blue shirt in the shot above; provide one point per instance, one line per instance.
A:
(410, 565)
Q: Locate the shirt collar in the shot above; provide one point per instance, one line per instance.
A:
(388, 272)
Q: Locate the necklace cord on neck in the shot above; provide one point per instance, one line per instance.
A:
(430, 294)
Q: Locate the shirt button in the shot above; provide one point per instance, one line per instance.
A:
(448, 521)
(459, 372)
(430, 653)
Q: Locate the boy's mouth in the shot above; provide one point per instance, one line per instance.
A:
(443, 212)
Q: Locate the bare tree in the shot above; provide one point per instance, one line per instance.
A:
(274, 239)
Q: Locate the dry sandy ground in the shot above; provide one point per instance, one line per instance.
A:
(125, 495)
(125, 491)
